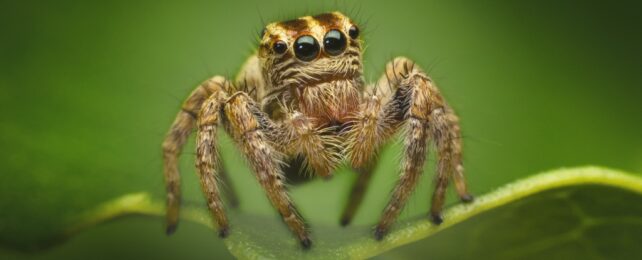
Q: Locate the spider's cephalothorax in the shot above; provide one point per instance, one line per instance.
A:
(313, 65)
(303, 95)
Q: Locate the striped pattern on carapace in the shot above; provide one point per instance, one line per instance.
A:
(302, 95)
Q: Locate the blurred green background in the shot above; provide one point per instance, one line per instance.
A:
(88, 89)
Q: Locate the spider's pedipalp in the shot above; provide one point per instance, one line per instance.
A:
(369, 128)
(320, 146)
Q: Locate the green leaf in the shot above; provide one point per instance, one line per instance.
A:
(591, 211)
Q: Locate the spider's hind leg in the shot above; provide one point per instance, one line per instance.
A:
(357, 193)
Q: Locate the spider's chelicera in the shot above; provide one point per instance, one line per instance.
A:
(309, 100)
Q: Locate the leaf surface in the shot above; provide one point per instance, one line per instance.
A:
(592, 212)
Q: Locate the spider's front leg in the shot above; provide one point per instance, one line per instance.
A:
(251, 130)
(208, 163)
(411, 98)
(372, 126)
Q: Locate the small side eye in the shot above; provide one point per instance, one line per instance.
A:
(353, 32)
(306, 48)
(280, 47)
(334, 42)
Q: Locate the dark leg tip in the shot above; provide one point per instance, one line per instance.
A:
(436, 218)
(328, 177)
(224, 232)
(306, 243)
(345, 222)
(170, 229)
(467, 198)
(234, 204)
(380, 233)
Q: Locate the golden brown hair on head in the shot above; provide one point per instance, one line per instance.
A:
(298, 24)
(329, 20)
(305, 25)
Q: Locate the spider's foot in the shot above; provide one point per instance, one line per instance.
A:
(436, 218)
(345, 221)
(170, 229)
(231, 198)
(467, 198)
(306, 243)
(233, 203)
(380, 232)
(224, 232)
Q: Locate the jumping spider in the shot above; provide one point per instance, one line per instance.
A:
(309, 100)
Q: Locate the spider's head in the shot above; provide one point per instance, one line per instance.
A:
(310, 50)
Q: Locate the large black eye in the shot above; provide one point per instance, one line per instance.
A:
(353, 32)
(334, 42)
(280, 47)
(306, 48)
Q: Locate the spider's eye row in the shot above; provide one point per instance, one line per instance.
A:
(306, 48)
(353, 32)
(280, 47)
(334, 42)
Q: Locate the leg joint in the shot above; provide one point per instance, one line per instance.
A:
(189, 112)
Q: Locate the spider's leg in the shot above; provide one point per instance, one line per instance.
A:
(228, 189)
(357, 193)
(250, 128)
(174, 142)
(446, 134)
(426, 115)
(250, 79)
(184, 124)
(207, 157)
(414, 155)
(378, 118)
